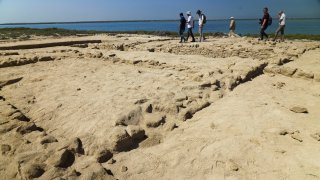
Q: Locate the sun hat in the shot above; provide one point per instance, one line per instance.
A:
(188, 12)
(231, 17)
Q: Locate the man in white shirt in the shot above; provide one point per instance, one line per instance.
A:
(201, 25)
(190, 26)
(282, 25)
(232, 27)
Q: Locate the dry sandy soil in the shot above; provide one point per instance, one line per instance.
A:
(147, 107)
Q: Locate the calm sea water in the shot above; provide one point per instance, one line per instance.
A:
(305, 26)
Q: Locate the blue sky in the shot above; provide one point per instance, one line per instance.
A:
(13, 11)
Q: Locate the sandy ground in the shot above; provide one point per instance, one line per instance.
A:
(147, 107)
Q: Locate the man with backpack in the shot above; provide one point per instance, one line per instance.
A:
(182, 27)
(202, 22)
(190, 25)
(265, 22)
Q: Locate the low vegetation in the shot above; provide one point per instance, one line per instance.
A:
(315, 37)
(27, 33)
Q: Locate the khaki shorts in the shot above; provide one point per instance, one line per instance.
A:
(281, 29)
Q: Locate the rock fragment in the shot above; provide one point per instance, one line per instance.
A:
(103, 155)
(286, 71)
(32, 171)
(136, 62)
(151, 49)
(48, 140)
(189, 112)
(97, 55)
(171, 126)
(112, 161)
(120, 47)
(181, 97)
(124, 169)
(28, 127)
(283, 132)
(76, 146)
(302, 74)
(5, 148)
(46, 58)
(120, 140)
(8, 127)
(232, 166)
(63, 159)
(298, 109)
(156, 121)
(19, 116)
(141, 101)
(136, 132)
(148, 108)
(96, 171)
(132, 118)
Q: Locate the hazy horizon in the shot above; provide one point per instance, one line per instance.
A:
(115, 21)
(38, 11)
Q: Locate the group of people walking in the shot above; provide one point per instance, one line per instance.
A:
(265, 22)
(189, 22)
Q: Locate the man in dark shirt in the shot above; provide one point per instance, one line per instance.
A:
(264, 23)
(182, 27)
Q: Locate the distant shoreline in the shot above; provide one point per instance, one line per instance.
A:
(26, 33)
(125, 21)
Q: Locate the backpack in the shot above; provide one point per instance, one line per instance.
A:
(270, 21)
(204, 19)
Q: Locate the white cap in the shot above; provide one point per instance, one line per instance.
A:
(231, 17)
(189, 12)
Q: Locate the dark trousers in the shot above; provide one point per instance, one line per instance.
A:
(181, 33)
(190, 33)
(263, 33)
